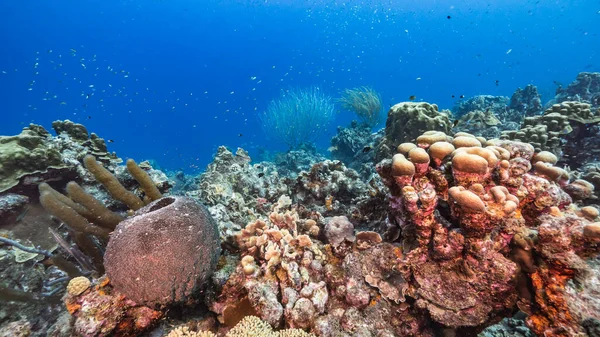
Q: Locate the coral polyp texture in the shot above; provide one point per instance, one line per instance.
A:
(488, 226)
(484, 228)
(164, 253)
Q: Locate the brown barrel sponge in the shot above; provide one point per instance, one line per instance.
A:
(163, 254)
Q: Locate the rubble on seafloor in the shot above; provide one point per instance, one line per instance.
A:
(456, 234)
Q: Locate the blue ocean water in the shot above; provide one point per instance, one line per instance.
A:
(172, 80)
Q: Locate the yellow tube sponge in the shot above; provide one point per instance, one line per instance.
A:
(144, 180)
(112, 184)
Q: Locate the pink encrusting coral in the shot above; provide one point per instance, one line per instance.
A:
(485, 230)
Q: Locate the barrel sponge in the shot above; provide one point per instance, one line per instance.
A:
(164, 253)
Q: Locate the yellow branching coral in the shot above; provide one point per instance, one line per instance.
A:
(252, 326)
(184, 331)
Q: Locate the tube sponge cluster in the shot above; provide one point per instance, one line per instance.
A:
(86, 215)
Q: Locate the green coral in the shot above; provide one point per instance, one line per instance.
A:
(408, 120)
(546, 132)
(26, 153)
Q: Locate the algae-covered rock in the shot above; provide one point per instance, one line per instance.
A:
(35, 156)
(585, 88)
(408, 120)
(496, 104)
(481, 123)
(26, 153)
(91, 142)
(526, 101)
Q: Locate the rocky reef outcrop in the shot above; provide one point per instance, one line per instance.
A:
(585, 88)
(406, 121)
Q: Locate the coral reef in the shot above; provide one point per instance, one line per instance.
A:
(164, 253)
(290, 163)
(332, 189)
(496, 104)
(365, 102)
(408, 120)
(509, 327)
(354, 146)
(480, 123)
(585, 88)
(27, 154)
(566, 126)
(287, 276)
(35, 156)
(591, 172)
(236, 192)
(527, 102)
(100, 311)
(471, 224)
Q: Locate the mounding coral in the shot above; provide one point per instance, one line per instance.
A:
(484, 232)
(484, 228)
(406, 121)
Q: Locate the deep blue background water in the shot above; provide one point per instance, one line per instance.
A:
(172, 80)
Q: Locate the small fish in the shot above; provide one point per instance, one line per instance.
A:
(497, 82)
(448, 17)
(22, 215)
(461, 96)
(455, 123)
(111, 141)
(63, 103)
(260, 175)
(366, 149)
(452, 96)
(89, 117)
(412, 97)
(240, 135)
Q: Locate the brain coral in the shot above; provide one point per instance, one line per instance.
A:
(164, 253)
